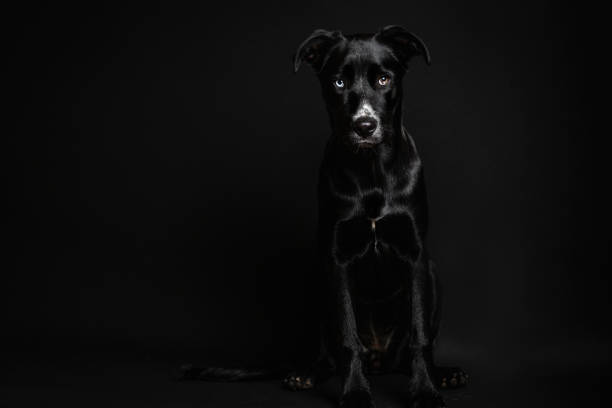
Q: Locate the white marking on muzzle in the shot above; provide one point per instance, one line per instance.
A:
(365, 110)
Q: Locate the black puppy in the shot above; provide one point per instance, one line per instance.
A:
(382, 295)
(380, 300)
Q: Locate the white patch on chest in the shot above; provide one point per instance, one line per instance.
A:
(373, 229)
(373, 222)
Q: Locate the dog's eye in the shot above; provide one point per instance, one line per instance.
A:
(339, 83)
(383, 80)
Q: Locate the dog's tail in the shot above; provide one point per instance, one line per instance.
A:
(189, 372)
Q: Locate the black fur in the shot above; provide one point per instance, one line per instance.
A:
(379, 291)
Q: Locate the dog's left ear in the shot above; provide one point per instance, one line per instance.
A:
(315, 48)
(405, 44)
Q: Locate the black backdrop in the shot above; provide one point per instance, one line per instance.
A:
(142, 137)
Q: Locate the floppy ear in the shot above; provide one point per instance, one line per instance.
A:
(315, 49)
(405, 44)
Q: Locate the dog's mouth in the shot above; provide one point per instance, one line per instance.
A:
(366, 144)
(356, 142)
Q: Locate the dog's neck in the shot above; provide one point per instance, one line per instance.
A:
(372, 167)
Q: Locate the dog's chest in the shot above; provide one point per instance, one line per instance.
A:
(373, 205)
(378, 227)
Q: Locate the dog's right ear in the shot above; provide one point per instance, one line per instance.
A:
(406, 44)
(315, 49)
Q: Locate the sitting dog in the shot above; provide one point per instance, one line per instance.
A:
(380, 297)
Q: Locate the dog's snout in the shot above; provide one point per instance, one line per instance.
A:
(364, 127)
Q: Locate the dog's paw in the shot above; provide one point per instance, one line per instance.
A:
(357, 399)
(296, 382)
(429, 399)
(451, 377)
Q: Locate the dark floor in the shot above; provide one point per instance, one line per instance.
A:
(86, 381)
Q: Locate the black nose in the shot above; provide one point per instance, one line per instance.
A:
(364, 127)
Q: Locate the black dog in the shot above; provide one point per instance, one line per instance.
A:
(381, 297)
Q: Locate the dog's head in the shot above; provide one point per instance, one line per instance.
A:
(361, 78)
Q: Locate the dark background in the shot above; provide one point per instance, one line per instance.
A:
(162, 164)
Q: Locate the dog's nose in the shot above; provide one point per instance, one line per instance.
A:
(364, 127)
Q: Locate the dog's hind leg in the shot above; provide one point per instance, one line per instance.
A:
(320, 371)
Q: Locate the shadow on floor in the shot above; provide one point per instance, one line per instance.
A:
(102, 382)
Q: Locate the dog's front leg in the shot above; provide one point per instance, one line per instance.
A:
(350, 351)
(417, 355)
